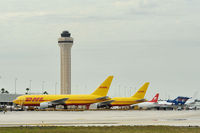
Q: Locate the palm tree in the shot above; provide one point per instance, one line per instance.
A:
(45, 92)
(2, 90)
(27, 89)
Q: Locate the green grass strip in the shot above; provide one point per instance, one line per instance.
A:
(105, 129)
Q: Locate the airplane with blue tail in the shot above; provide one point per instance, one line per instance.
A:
(180, 100)
(170, 104)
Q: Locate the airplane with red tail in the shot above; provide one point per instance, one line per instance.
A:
(148, 104)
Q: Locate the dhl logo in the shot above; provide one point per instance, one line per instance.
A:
(34, 99)
(141, 91)
(103, 87)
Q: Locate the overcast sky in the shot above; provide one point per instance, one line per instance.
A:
(134, 40)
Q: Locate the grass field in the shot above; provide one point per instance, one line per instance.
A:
(113, 129)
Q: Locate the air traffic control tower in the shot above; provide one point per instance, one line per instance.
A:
(65, 42)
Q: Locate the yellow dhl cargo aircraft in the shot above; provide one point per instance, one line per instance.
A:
(45, 101)
(138, 97)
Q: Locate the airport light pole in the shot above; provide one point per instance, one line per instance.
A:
(56, 87)
(125, 91)
(0, 77)
(119, 91)
(43, 86)
(15, 85)
(130, 93)
(30, 84)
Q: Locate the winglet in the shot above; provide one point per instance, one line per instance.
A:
(102, 90)
(155, 98)
(142, 91)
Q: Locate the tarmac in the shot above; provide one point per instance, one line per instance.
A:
(99, 118)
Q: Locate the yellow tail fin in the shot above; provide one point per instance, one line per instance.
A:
(142, 91)
(102, 90)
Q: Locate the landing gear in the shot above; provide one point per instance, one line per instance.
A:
(88, 107)
(22, 108)
(65, 106)
(108, 107)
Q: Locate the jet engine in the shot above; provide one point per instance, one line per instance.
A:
(107, 106)
(45, 105)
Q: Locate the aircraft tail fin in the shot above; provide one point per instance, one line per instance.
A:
(155, 98)
(180, 100)
(102, 90)
(142, 91)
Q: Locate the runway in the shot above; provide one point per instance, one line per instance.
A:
(99, 118)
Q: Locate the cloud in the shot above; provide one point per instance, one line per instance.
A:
(106, 10)
(13, 15)
(134, 3)
(155, 7)
(136, 33)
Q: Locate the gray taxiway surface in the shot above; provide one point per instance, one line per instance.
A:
(99, 118)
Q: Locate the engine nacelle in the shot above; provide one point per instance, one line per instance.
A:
(107, 106)
(45, 105)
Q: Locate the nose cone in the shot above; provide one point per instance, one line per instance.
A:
(16, 101)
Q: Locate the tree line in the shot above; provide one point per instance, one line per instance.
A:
(4, 91)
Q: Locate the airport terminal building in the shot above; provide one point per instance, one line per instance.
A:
(6, 99)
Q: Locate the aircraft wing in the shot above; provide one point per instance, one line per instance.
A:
(107, 102)
(103, 98)
(141, 100)
(59, 101)
(53, 103)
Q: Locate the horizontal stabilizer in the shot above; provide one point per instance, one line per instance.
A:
(141, 100)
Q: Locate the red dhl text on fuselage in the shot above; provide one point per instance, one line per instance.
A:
(73, 99)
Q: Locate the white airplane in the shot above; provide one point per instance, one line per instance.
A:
(178, 102)
(193, 103)
(192, 100)
(149, 104)
(164, 104)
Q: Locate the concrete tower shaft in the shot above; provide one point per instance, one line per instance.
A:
(65, 42)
